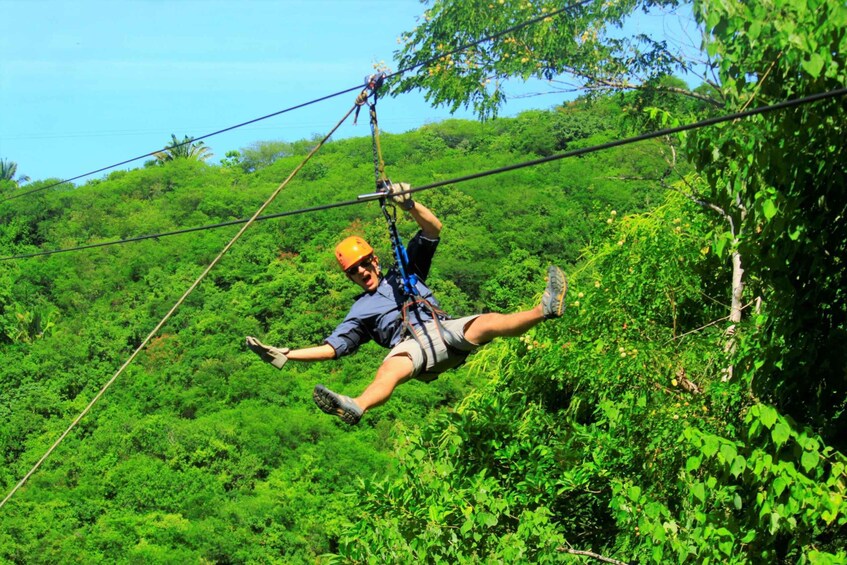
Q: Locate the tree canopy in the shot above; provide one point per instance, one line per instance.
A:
(8, 170)
(185, 149)
(689, 407)
(759, 198)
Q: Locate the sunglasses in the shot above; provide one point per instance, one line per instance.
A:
(366, 263)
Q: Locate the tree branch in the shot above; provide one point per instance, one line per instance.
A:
(699, 201)
(626, 85)
(591, 554)
(761, 81)
(633, 178)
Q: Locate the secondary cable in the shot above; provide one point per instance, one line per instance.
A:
(573, 153)
(191, 140)
(152, 334)
(315, 101)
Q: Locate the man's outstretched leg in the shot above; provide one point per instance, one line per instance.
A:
(488, 326)
(393, 371)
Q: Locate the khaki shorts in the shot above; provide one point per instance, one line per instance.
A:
(437, 355)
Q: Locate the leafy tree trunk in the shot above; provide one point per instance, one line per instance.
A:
(737, 289)
(736, 306)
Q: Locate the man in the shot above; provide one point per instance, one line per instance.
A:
(423, 340)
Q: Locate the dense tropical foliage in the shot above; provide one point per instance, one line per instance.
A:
(689, 407)
(200, 450)
(758, 482)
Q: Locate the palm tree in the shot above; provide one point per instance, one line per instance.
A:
(8, 170)
(185, 149)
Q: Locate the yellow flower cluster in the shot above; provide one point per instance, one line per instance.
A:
(622, 350)
(531, 343)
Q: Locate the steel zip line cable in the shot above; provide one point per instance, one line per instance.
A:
(362, 97)
(309, 103)
(575, 153)
(192, 140)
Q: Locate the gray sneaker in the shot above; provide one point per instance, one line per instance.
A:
(337, 405)
(553, 300)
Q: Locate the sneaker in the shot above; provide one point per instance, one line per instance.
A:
(553, 300)
(337, 405)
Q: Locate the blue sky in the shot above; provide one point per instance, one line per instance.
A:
(85, 84)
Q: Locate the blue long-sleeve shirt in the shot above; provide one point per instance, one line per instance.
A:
(378, 315)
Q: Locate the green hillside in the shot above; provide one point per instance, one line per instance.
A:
(201, 451)
(689, 407)
(626, 429)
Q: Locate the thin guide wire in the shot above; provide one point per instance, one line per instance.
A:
(170, 313)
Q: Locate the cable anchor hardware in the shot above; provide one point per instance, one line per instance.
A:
(372, 85)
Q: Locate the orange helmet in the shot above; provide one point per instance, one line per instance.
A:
(351, 251)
